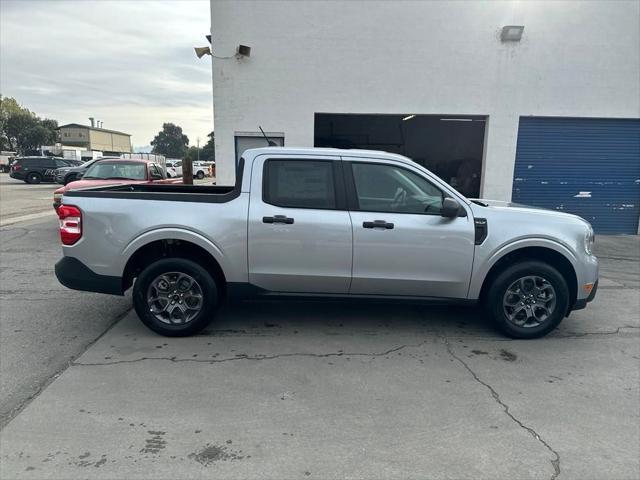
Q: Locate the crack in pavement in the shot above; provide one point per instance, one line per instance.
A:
(174, 359)
(584, 334)
(496, 396)
(7, 416)
(255, 357)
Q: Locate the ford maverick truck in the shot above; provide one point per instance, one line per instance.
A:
(324, 223)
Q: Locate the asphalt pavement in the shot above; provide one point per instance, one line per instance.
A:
(20, 201)
(43, 325)
(320, 390)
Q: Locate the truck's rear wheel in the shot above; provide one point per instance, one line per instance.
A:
(175, 297)
(528, 299)
(200, 175)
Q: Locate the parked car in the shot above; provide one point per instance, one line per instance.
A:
(324, 223)
(174, 168)
(70, 174)
(200, 170)
(6, 159)
(39, 169)
(115, 171)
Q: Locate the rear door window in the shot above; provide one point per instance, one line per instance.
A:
(62, 163)
(299, 184)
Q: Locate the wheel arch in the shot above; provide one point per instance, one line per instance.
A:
(157, 245)
(547, 254)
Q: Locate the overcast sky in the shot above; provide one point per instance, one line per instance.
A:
(130, 64)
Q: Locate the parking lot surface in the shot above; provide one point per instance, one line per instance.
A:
(19, 200)
(42, 324)
(320, 390)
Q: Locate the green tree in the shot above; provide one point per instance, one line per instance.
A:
(192, 154)
(170, 141)
(21, 129)
(207, 153)
(35, 136)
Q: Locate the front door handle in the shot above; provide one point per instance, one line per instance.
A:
(378, 224)
(278, 219)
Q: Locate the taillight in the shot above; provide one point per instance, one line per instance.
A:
(16, 167)
(70, 224)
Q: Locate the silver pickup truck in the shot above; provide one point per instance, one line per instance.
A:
(324, 223)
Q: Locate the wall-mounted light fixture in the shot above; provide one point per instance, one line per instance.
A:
(243, 51)
(511, 33)
(408, 117)
(202, 51)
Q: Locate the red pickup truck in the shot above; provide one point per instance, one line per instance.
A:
(116, 172)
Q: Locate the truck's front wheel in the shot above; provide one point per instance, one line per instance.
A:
(175, 297)
(527, 299)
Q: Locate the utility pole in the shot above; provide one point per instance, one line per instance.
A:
(198, 147)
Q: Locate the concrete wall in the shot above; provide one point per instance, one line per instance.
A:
(93, 139)
(74, 136)
(110, 142)
(575, 59)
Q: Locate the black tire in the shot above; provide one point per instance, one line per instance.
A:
(70, 178)
(206, 283)
(497, 290)
(200, 175)
(33, 178)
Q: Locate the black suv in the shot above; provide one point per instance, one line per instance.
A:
(38, 169)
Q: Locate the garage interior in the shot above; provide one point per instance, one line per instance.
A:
(449, 146)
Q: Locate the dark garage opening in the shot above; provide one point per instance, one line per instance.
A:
(449, 146)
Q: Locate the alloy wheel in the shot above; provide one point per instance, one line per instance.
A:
(529, 301)
(175, 298)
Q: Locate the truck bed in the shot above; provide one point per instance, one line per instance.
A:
(168, 192)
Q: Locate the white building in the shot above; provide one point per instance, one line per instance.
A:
(551, 119)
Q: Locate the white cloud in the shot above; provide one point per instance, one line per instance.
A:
(128, 63)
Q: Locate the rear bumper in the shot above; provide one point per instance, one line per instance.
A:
(582, 303)
(74, 274)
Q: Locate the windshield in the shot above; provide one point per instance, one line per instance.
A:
(117, 170)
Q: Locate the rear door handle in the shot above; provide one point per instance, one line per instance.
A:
(378, 224)
(278, 219)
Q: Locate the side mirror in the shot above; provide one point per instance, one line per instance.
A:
(450, 208)
(79, 175)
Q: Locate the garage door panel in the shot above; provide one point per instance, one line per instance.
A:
(589, 167)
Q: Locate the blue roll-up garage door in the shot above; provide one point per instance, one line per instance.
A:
(589, 167)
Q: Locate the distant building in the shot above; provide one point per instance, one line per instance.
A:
(71, 152)
(110, 142)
